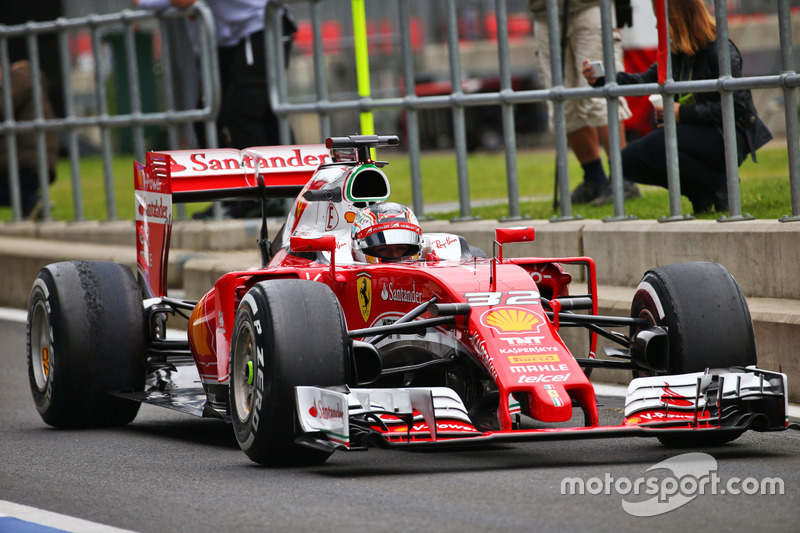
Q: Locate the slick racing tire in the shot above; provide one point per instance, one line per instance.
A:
(707, 320)
(85, 338)
(287, 333)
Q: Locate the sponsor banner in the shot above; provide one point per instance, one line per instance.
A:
(525, 379)
(534, 358)
(186, 163)
(401, 294)
(153, 224)
(512, 320)
(444, 426)
(523, 341)
(155, 207)
(386, 226)
(324, 410)
(645, 417)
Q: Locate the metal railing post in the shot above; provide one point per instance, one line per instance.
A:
(38, 112)
(11, 136)
(507, 110)
(459, 121)
(559, 120)
(728, 117)
(614, 133)
(412, 117)
(790, 109)
(69, 112)
(671, 139)
(320, 73)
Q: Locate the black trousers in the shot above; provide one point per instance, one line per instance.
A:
(246, 118)
(701, 160)
(28, 189)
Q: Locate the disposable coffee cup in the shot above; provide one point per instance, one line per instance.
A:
(656, 100)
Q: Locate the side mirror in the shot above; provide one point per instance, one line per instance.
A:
(504, 236)
(323, 243)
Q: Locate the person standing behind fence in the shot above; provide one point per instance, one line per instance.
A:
(701, 148)
(21, 80)
(245, 118)
(586, 119)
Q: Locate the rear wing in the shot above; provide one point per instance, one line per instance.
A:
(184, 176)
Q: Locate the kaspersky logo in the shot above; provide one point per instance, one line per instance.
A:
(512, 320)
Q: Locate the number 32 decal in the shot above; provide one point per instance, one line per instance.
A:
(481, 299)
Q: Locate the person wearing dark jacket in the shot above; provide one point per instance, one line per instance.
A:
(24, 110)
(698, 116)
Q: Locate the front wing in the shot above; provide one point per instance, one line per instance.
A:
(351, 418)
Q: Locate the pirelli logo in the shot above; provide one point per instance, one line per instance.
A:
(533, 358)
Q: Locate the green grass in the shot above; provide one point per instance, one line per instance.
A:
(764, 187)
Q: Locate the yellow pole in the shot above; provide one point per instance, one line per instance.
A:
(362, 62)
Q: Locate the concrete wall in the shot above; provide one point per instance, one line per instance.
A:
(763, 255)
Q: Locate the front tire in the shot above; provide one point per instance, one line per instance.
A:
(704, 312)
(85, 338)
(708, 325)
(287, 333)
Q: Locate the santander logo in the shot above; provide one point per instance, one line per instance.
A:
(318, 410)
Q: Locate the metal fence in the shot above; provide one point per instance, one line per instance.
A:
(123, 26)
(507, 98)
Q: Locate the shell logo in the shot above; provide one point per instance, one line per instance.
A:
(512, 319)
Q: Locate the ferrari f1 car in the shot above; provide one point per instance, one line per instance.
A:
(335, 345)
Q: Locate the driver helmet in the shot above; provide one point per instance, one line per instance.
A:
(385, 232)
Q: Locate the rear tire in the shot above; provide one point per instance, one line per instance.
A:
(287, 333)
(708, 325)
(85, 338)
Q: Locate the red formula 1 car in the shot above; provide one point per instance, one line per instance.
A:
(361, 330)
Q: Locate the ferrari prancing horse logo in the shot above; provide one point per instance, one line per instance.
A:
(364, 286)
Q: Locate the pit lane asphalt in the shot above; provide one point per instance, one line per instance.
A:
(172, 472)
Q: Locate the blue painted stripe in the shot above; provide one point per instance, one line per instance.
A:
(10, 524)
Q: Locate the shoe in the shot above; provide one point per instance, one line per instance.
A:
(701, 205)
(33, 210)
(586, 192)
(629, 190)
(720, 199)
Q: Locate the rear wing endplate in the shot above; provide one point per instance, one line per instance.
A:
(184, 176)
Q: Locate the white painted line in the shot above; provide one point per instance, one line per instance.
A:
(600, 389)
(56, 521)
(13, 315)
(20, 316)
(606, 389)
